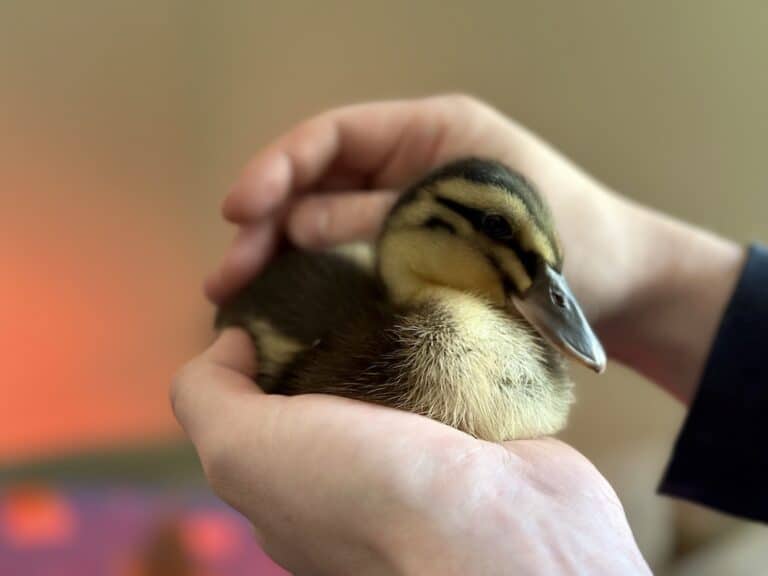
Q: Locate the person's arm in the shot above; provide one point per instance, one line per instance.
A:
(721, 455)
(699, 327)
(667, 323)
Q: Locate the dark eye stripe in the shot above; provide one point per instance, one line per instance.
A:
(438, 223)
(507, 284)
(528, 259)
(487, 172)
(475, 217)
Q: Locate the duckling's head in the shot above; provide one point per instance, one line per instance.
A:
(477, 227)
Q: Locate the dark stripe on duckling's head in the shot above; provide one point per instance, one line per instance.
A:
(507, 284)
(496, 219)
(480, 171)
(475, 209)
(436, 223)
(496, 227)
(472, 215)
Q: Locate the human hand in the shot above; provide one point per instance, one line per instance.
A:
(333, 178)
(653, 288)
(336, 486)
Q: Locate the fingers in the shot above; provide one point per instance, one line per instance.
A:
(251, 249)
(379, 145)
(334, 218)
(232, 350)
(359, 138)
(210, 388)
(336, 148)
(265, 182)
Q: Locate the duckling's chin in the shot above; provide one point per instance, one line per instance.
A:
(471, 368)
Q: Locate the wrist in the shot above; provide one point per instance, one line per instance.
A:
(684, 277)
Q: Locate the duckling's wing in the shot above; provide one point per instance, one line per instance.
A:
(300, 298)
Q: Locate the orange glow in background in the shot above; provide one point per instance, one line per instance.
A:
(99, 304)
(85, 352)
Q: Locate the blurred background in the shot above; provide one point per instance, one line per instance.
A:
(122, 125)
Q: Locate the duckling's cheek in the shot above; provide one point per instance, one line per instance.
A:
(414, 262)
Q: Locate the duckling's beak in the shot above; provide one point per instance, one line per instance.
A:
(550, 306)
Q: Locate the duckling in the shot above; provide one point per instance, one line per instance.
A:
(459, 312)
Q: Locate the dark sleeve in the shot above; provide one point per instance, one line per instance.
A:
(721, 455)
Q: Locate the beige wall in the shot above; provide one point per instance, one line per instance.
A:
(663, 100)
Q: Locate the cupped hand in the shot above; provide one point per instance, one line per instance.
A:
(333, 178)
(642, 278)
(335, 486)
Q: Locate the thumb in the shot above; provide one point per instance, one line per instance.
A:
(328, 219)
(208, 389)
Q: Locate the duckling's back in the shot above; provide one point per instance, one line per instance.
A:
(301, 299)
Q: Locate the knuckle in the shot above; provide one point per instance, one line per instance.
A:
(459, 104)
(465, 101)
(308, 128)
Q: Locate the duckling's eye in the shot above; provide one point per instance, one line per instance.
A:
(496, 227)
(557, 298)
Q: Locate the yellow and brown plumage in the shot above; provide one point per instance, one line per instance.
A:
(458, 312)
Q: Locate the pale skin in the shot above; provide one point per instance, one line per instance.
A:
(334, 486)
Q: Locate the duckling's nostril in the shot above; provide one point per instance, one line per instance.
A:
(558, 299)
